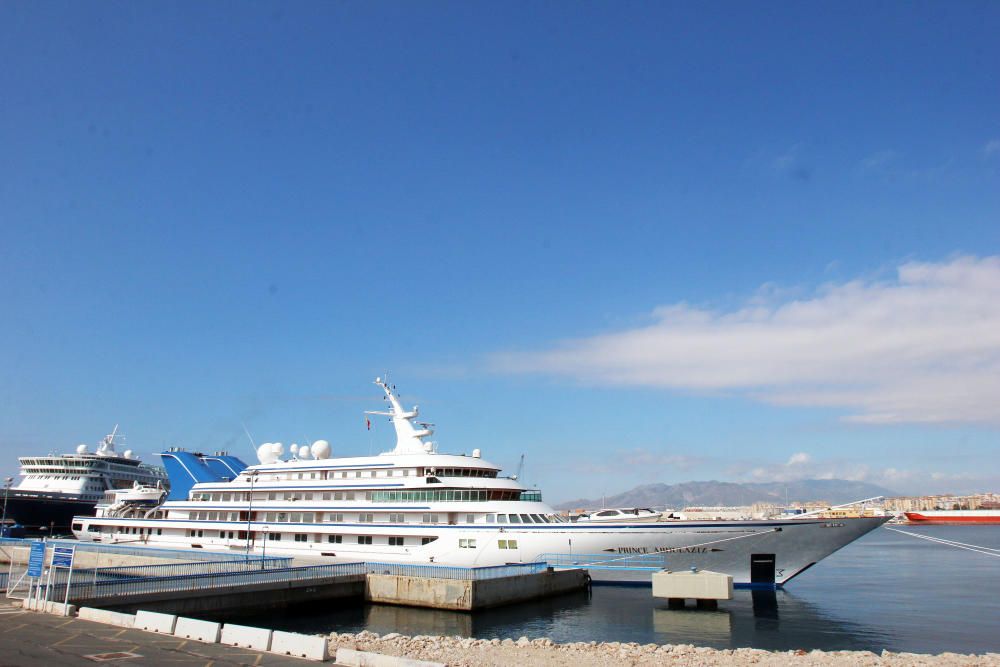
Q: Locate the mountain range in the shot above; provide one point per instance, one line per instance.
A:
(691, 494)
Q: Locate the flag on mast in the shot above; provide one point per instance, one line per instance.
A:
(368, 423)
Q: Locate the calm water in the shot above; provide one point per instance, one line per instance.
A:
(885, 591)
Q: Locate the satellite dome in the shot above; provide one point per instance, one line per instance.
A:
(304, 452)
(266, 453)
(81, 449)
(321, 449)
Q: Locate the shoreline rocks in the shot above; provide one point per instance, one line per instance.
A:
(543, 652)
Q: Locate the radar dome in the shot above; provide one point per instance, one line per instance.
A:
(81, 449)
(476, 453)
(304, 452)
(321, 449)
(127, 454)
(278, 449)
(266, 453)
(294, 448)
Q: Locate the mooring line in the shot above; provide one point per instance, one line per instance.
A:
(986, 551)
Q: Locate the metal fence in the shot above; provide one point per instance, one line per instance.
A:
(642, 562)
(454, 572)
(153, 552)
(83, 589)
(139, 550)
(175, 569)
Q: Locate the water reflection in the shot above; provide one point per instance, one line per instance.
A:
(713, 625)
(765, 619)
(873, 595)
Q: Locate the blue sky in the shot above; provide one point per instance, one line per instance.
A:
(635, 241)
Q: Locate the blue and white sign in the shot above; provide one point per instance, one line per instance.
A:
(36, 560)
(63, 556)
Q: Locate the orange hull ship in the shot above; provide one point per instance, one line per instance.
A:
(955, 516)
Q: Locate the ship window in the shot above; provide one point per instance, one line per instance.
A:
(295, 517)
(364, 539)
(390, 473)
(282, 516)
(326, 496)
(337, 518)
(501, 518)
(308, 517)
(526, 519)
(312, 475)
(335, 539)
(338, 495)
(159, 531)
(470, 518)
(430, 518)
(491, 518)
(396, 518)
(366, 517)
(395, 541)
(274, 537)
(514, 518)
(301, 537)
(406, 473)
(608, 513)
(537, 518)
(357, 473)
(77, 526)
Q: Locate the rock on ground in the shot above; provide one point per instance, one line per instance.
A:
(543, 652)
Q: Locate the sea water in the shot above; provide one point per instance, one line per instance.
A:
(885, 591)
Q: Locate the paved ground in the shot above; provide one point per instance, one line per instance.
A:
(35, 639)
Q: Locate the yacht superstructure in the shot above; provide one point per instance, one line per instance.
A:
(54, 488)
(414, 504)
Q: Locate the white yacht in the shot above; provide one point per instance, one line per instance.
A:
(618, 514)
(414, 504)
(53, 488)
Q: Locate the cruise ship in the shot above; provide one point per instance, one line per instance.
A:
(414, 504)
(54, 489)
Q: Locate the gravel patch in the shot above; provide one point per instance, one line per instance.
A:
(460, 652)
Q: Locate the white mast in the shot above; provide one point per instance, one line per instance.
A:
(409, 438)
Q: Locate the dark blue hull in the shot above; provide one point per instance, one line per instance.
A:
(51, 512)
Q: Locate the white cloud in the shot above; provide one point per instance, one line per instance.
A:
(923, 347)
(799, 458)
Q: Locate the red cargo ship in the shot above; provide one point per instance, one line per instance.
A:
(955, 516)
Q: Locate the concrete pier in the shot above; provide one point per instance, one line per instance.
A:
(704, 587)
(471, 595)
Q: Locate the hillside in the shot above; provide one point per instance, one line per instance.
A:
(688, 494)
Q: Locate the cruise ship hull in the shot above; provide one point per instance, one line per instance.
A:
(36, 510)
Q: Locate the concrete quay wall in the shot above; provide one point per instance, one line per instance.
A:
(466, 595)
(239, 599)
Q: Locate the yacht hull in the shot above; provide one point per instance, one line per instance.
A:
(765, 553)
